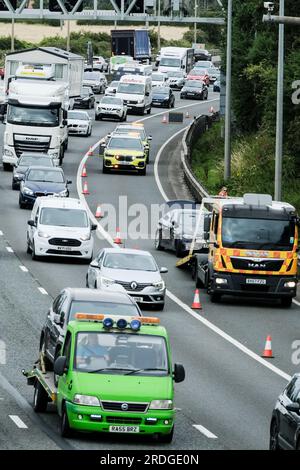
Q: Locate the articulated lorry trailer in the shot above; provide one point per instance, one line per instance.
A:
(252, 249)
(40, 85)
(131, 42)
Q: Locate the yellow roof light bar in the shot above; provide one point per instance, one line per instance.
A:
(89, 316)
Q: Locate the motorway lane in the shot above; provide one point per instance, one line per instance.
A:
(27, 308)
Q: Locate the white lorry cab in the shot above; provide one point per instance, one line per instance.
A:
(36, 120)
(135, 91)
(176, 59)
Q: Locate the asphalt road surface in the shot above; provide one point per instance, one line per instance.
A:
(227, 398)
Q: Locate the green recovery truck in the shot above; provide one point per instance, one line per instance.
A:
(115, 376)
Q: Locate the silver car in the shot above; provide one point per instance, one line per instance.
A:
(79, 123)
(135, 270)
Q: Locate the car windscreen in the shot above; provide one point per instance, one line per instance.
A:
(91, 76)
(125, 130)
(258, 234)
(77, 116)
(131, 88)
(61, 217)
(175, 74)
(161, 91)
(98, 307)
(111, 100)
(85, 92)
(121, 353)
(28, 161)
(119, 143)
(196, 72)
(158, 78)
(45, 176)
(193, 84)
(129, 261)
(189, 220)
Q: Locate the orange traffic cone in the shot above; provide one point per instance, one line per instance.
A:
(98, 214)
(268, 348)
(164, 119)
(117, 239)
(187, 114)
(197, 304)
(84, 172)
(90, 152)
(85, 188)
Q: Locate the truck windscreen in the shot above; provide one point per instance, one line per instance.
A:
(258, 234)
(170, 62)
(32, 116)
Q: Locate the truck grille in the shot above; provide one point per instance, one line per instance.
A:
(23, 143)
(250, 264)
(254, 288)
(117, 406)
(127, 286)
(64, 242)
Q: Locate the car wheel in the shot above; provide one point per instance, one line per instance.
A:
(104, 169)
(159, 307)
(48, 364)
(34, 257)
(158, 240)
(274, 445)
(6, 166)
(166, 438)
(28, 250)
(65, 430)
(14, 186)
(40, 398)
(149, 110)
(22, 204)
(56, 377)
(286, 302)
(143, 171)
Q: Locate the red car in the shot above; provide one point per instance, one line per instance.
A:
(199, 74)
(2, 70)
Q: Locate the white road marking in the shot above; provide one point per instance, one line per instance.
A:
(1, 233)
(18, 421)
(23, 268)
(9, 249)
(42, 291)
(205, 431)
(296, 302)
(227, 337)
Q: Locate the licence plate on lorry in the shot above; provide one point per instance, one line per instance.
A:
(256, 281)
(124, 429)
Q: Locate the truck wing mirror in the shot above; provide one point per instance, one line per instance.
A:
(60, 365)
(179, 373)
(294, 407)
(94, 227)
(31, 223)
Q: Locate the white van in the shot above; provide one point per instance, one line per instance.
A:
(135, 91)
(60, 227)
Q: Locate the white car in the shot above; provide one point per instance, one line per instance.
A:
(60, 227)
(111, 107)
(159, 79)
(112, 87)
(79, 123)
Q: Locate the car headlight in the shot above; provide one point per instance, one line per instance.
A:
(106, 282)
(87, 400)
(8, 153)
(159, 285)
(54, 154)
(18, 175)
(86, 237)
(27, 191)
(64, 192)
(43, 234)
(161, 405)
(83, 126)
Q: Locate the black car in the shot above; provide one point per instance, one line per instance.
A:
(86, 99)
(285, 422)
(163, 96)
(42, 181)
(195, 89)
(202, 54)
(79, 300)
(25, 161)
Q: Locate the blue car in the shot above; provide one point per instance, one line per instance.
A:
(42, 181)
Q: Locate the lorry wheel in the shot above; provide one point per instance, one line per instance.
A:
(195, 277)
(158, 238)
(65, 430)
(166, 438)
(6, 166)
(178, 249)
(286, 302)
(40, 398)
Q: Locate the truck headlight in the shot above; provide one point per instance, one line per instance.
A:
(106, 282)
(290, 284)
(27, 191)
(161, 405)
(86, 237)
(87, 400)
(159, 285)
(43, 234)
(8, 153)
(220, 280)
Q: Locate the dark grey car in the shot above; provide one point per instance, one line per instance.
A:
(195, 89)
(79, 300)
(25, 161)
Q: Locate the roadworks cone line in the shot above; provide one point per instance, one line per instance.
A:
(90, 152)
(85, 188)
(98, 213)
(117, 239)
(84, 173)
(268, 348)
(196, 303)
